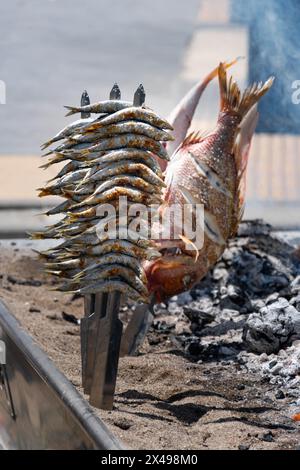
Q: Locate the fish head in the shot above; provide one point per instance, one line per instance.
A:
(171, 274)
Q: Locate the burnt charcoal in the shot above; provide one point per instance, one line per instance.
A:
(183, 299)
(272, 328)
(34, 310)
(295, 301)
(220, 275)
(257, 304)
(272, 364)
(123, 423)
(194, 347)
(70, 318)
(236, 295)
(173, 307)
(227, 351)
(254, 228)
(29, 282)
(244, 447)
(200, 313)
(272, 298)
(75, 296)
(161, 326)
(279, 395)
(267, 437)
(154, 340)
(295, 285)
(245, 310)
(240, 387)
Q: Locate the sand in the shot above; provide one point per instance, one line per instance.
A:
(164, 399)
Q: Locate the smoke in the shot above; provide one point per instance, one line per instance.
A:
(274, 44)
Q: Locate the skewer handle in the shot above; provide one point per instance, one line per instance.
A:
(139, 96)
(85, 100)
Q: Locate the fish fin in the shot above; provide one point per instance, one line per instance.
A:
(72, 110)
(181, 116)
(46, 165)
(193, 138)
(44, 192)
(241, 151)
(231, 98)
(37, 235)
(243, 139)
(67, 194)
(187, 241)
(46, 144)
(47, 154)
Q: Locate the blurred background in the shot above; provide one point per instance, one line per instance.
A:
(51, 50)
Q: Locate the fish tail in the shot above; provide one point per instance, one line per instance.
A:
(37, 236)
(44, 192)
(231, 97)
(72, 110)
(45, 166)
(46, 144)
(47, 154)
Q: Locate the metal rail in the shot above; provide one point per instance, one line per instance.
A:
(44, 410)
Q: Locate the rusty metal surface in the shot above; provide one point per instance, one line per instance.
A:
(49, 412)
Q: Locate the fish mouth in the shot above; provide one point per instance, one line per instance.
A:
(174, 249)
(174, 272)
(176, 252)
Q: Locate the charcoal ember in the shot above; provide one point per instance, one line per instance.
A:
(257, 304)
(295, 285)
(227, 351)
(193, 346)
(183, 299)
(296, 254)
(295, 301)
(229, 314)
(69, 317)
(201, 312)
(272, 328)
(231, 254)
(272, 298)
(162, 326)
(160, 309)
(220, 275)
(182, 328)
(233, 297)
(236, 294)
(254, 228)
(268, 283)
(173, 307)
(255, 272)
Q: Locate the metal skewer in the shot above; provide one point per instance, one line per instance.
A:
(101, 328)
(137, 329)
(115, 92)
(139, 96)
(101, 333)
(107, 350)
(142, 316)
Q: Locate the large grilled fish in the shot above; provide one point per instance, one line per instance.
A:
(210, 171)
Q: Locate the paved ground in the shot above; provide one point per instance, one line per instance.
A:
(52, 50)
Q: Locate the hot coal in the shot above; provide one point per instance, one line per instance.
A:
(272, 328)
(246, 310)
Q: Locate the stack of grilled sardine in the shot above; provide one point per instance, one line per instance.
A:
(107, 156)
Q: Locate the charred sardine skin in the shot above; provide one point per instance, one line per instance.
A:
(109, 106)
(131, 113)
